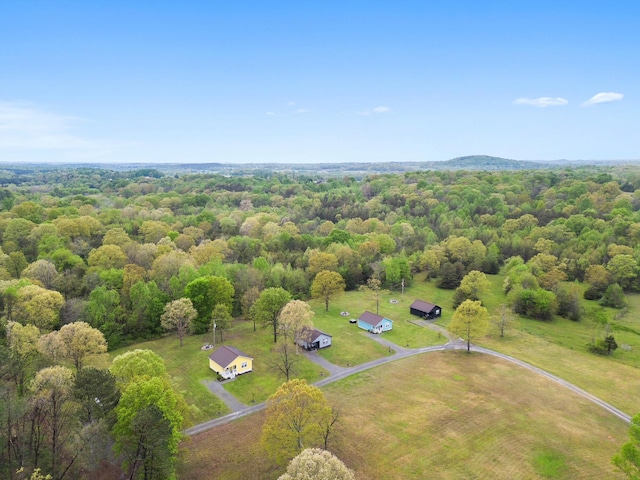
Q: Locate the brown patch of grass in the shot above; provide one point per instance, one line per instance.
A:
(438, 416)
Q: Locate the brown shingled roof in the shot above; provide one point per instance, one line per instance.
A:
(423, 306)
(371, 318)
(224, 355)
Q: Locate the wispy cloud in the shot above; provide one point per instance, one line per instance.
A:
(374, 111)
(603, 97)
(541, 102)
(270, 113)
(301, 110)
(25, 126)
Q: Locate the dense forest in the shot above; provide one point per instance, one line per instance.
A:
(91, 257)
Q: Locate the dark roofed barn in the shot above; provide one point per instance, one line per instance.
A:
(425, 310)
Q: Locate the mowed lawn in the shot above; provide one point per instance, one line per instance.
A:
(560, 345)
(188, 367)
(352, 345)
(459, 416)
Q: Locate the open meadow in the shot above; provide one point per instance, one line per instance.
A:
(458, 416)
(559, 346)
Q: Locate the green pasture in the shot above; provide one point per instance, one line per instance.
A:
(262, 382)
(459, 416)
(560, 345)
(188, 367)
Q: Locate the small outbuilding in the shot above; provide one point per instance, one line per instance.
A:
(374, 323)
(229, 361)
(425, 310)
(312, 339)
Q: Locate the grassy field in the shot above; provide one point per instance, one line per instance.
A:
(560, 345)
(260, 384)
(459, 416)
(352, 345)
(188, 367)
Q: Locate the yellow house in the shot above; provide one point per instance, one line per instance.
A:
(229, 362)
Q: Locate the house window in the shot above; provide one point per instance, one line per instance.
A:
(244, 365)
(325, 340)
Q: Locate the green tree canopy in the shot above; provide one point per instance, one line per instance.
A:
(267, 307)
(470, 321)
(293, 419)
(205, 293)
(327, 285)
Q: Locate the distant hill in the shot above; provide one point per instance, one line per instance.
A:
(317, 170)
(486, 162)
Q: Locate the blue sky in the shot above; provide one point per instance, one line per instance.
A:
(348, 81)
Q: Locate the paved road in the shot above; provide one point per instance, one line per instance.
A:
(218, 390)
(338, 373)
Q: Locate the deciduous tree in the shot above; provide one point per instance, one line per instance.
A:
(267, 307)
(472, 285)
(179, 315)
(295, 317)
(320, 261)
(293, 419)
(53, 397)
(327, 285)
(317, 464)
(503, 318)
(42, 271)
(136, 363)
(205, 293)
(470, 320)
(75, 341)
(374, 289)
(38, 306)
(23, 350)
(628, 459)
(221, 318)
(147, 432)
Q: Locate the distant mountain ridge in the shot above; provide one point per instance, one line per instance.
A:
(487, 162)
(355, 169)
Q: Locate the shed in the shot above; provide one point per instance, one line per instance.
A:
(228, 362)
(374, 323)
(312, 339)
(425, 309)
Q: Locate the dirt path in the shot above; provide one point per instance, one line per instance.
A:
(338, 373)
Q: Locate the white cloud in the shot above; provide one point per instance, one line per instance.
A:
(603, 97)
(270, 113)
(25, 126)
(542, 102)
(376, 111)
(301, 110)
(291, 104)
